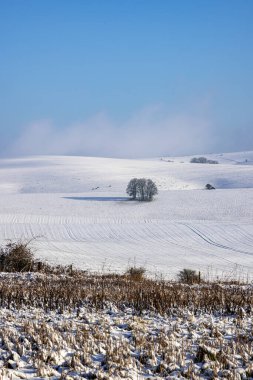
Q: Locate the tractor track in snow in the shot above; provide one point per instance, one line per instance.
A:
(213, 243)
(75, 239)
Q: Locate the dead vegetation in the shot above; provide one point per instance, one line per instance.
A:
(189, 276)
(17, 257)
(75, 289)
(116, 343)
(69, 324)
(136, 273)
(64, 288)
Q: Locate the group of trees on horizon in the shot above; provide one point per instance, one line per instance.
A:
(202, 160)
(141, 189)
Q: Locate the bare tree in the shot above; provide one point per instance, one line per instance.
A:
(132, 188)
(151, 189)
(142, 189)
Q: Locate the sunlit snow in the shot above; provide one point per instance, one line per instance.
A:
(78, 212)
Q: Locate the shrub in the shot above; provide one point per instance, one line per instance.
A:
(17, 257)
(136, 273)
(189, 276)
(209, 187)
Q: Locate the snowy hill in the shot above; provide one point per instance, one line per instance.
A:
(77, 209)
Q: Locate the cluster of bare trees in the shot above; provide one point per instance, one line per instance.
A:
(202, 160)
(142, 189)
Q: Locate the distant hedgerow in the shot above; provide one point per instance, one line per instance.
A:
(202, 160)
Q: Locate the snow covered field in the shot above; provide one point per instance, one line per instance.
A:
(113, 327)
(77, 209)
(118, 345)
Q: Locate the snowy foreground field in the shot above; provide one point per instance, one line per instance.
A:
(101, 325)
(78, 211)
(86, 327)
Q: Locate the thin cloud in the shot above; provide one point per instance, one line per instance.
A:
(150, 132)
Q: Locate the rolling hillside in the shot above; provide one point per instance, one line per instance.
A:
(77, 209)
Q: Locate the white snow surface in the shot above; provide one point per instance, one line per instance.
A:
(79, 213)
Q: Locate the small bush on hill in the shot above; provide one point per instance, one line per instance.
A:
(17, 257)
(209, 187)
(136, 273)
(189, 276)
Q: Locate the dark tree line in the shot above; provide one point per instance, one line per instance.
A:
(202, 160)
(142, 189)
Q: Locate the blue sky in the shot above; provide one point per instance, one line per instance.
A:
(125, 78)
